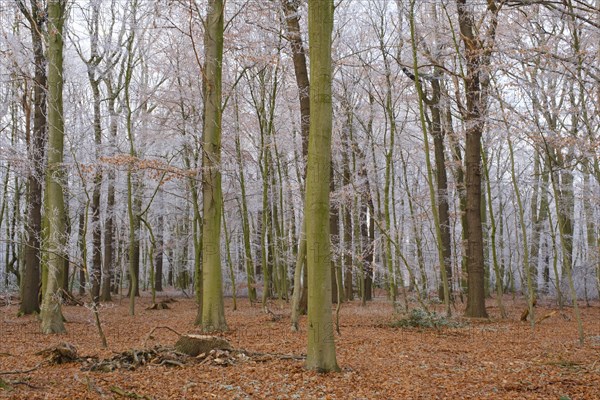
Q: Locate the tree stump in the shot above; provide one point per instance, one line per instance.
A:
(60, 354)
(193, 345)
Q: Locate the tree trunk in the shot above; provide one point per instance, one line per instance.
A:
(51, 315)
(438, 134)
(459, 177)
(31, 272)
(497, 270)
(292, 18)
(133, 217)
(477, 54)
(436, 199)
(334, 229)
(66, 261)
(298, 273)
(475, 261)
(346, 206)
(321, 347)
(96, 272)
(108, 265)
(250, 279)
(213, 312)
(290, 8)
(109, 234)
(158, 269)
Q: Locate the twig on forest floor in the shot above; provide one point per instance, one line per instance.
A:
(131, 395)
(272, 355)
(7, 385)
(149, 336)
(24, 371)
(171, 362)
(550, 314)
(29, 385)
(68, 298)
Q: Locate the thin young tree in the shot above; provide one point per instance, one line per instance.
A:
(292, 18)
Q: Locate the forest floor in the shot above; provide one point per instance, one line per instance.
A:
(495, 358)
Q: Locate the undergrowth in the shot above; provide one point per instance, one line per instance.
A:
(419, 318)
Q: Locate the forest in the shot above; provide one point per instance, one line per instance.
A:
(300, 199)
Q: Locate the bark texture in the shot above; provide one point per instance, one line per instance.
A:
(321, 346)
(213, 312)
(51, 315)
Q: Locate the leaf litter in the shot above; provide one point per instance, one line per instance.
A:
(427, 356)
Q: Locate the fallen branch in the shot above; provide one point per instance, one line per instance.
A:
(69, 299)
(23, 371)
(550, 314)
(149, 336)
(171, 362)
(272, 355)
(29, 385)
(131, 395)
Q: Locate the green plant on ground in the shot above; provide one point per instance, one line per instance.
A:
(419, 318)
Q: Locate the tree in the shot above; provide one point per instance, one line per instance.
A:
(51, 315)
(478, 50)
(133, 205)
(440, 215)
(31, 271)
(292, 19)
(250, 279)
(321, 345)
(213, 312)
(112, 90)
(95, 77)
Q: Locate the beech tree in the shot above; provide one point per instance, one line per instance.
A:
(51, 315)
(478, 51)
(213, 313)
(291, 11)
(461, 152)
(30, 278)
(321, 346)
